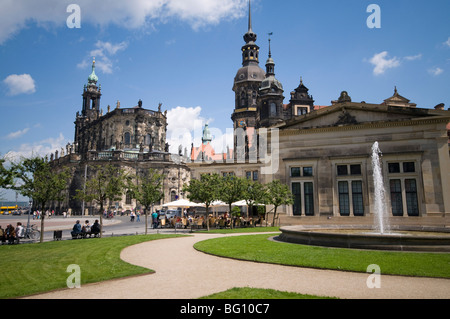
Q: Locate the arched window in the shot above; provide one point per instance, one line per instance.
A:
(243, 98)
(173, 196)
(273, 109)
(127, 138)
(148, 139)
(128, 198)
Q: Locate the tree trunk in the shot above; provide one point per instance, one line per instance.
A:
(146, 219)
(274, 215)
(101, 220)
(42, 228)
(231, 215)
(207, 218)
(41, 239)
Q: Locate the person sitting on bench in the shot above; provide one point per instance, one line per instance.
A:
(76, 231)
(95, 229)
(86, 229)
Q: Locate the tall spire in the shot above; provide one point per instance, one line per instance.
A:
(270, 64)
(250, 36)
(270, 51)
(249, 16)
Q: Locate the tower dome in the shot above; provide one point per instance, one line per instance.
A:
(93, 78)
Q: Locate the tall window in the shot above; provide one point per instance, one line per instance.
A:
(396, 197)
(128, 198)
(127, 138)
(303, 190)
(243, 99)
(344, 199)
(296, 192)
(148, 139)
(273, 109)
(412, 204)
(357, 198)
(350, 189)
(309, 199)
(403, 188)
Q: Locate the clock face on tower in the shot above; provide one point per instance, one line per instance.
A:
(241, 123)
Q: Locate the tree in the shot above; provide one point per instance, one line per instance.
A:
(231, 190)
(254, 194)
(37, 180)
(6, 176)
(106, 182)
(205, 190)
(278, 194)
(148, 191)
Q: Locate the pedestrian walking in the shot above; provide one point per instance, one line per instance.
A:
(155, 220)
(138, 215)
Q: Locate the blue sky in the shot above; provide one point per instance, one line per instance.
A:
(185, 54)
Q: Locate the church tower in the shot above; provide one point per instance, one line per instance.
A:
(91, 96)
(90, 110)
(247, 81)
(301, 101)
(270, 101)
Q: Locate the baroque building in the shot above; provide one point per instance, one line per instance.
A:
(133, 139)
(323, 153)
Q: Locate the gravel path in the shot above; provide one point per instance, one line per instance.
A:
(184, 273)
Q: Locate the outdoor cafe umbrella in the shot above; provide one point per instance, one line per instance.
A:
(244, 203)
(217, 203)
(184, 203)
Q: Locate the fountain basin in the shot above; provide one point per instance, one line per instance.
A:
(400, 240)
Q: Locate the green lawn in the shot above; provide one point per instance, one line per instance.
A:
(32, 268)
(259, 248)
(256, 293)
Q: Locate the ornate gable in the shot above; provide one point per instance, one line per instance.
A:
(345, 114)
(398, 100)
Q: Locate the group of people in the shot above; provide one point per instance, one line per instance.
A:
(86, 229)
(11, 234)
(38, 214)
(134, 216)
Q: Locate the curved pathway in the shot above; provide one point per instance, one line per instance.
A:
(184, 273)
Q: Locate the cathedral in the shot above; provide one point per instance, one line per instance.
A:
(323, 153)
(132, 138)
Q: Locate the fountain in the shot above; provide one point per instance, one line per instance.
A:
(380, 209)
(379, 235)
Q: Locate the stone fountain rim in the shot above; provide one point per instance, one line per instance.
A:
(314, 236)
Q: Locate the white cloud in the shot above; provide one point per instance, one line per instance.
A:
(16, 15)
(447, 43)
(382, 63)
(20, 84)
(17, 134)
(435, 71)
(184, 126)
(103, 54)
(413, 57)
(41, 148)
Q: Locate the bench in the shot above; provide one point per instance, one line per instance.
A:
(84, 235)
